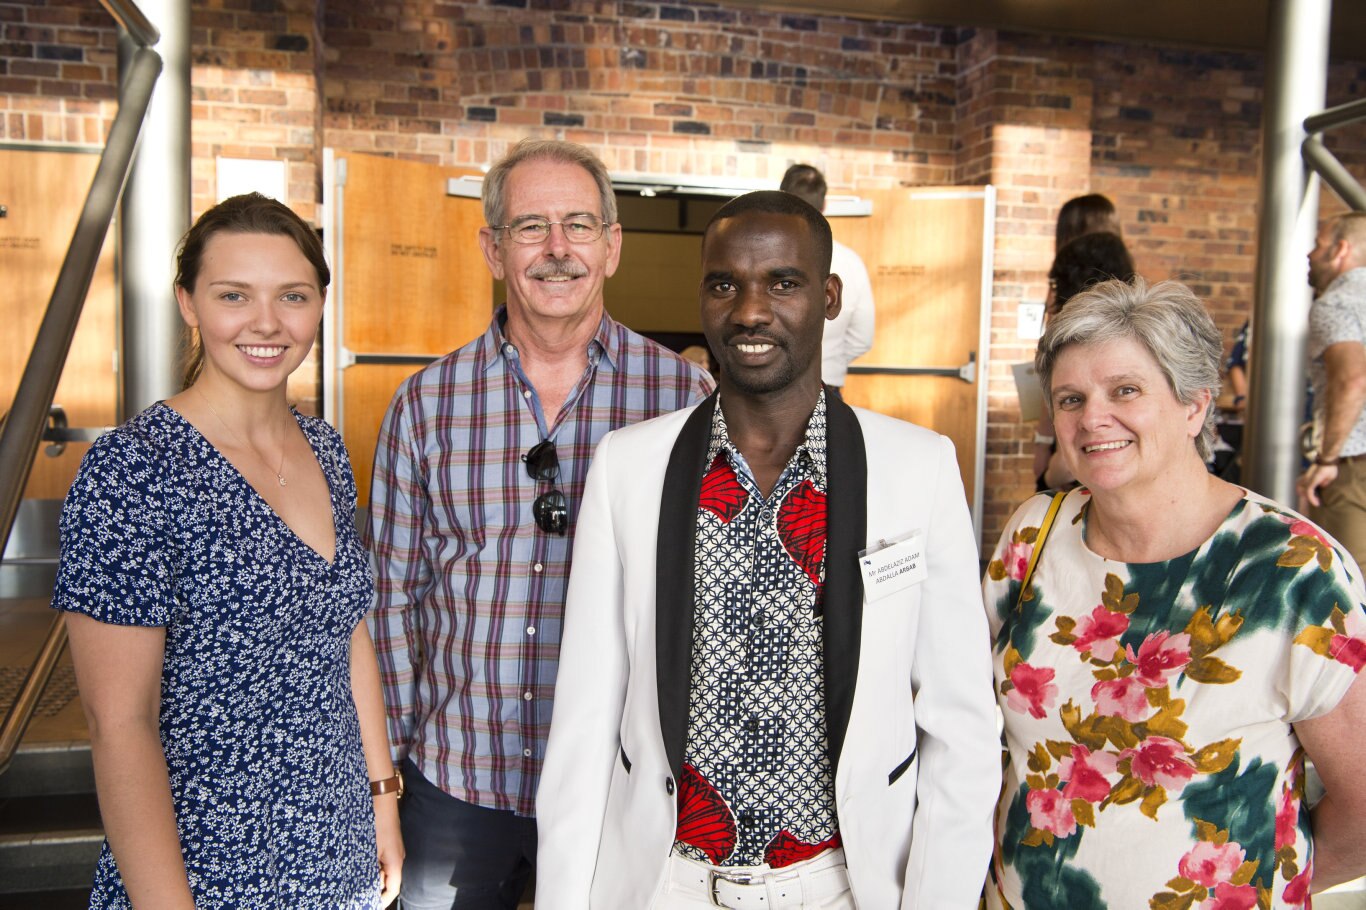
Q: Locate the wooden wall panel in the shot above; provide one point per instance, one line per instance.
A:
(368, 389)
(43, 192)
(655, 289)
(413, 282)
(923, 250)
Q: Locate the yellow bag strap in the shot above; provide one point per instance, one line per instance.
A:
(1044, 528)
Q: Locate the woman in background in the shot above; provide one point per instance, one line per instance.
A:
(1182, 646)
(1080, 263)
(216, 591)
(1089, 214)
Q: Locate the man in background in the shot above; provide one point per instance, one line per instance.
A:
(478, 479)
(850, 334)
(1334, 485)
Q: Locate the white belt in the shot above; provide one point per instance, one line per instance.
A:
(745, 888)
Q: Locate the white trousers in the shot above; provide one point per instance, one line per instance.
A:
(819, 883)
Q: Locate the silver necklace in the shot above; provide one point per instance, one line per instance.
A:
(279, 475)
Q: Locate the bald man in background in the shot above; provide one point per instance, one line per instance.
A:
(1334, 485)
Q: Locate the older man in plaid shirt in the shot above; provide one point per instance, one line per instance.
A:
(478, 477)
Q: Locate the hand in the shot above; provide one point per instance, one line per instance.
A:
(1315, 478)
(389, 841)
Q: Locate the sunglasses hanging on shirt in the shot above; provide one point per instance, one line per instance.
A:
(550, 510)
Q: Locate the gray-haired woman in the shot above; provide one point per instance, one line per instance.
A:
(1169, 647)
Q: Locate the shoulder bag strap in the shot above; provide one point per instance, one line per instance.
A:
(1044, 528)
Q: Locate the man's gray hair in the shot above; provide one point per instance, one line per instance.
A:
(1166, 318)
(495, 182)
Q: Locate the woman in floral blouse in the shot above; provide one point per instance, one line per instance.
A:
(1182, 646)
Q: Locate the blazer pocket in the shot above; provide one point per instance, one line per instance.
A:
(625, 760)
(901, 768)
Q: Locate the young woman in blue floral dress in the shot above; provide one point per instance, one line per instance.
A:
(1182, 646)
(215, 592)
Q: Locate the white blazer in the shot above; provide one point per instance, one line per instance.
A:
(910, 705)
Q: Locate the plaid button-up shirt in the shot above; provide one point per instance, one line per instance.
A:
(469, 593)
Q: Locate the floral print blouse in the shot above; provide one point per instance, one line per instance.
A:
(1148, 708)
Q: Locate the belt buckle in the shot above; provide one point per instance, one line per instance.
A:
(734, 878)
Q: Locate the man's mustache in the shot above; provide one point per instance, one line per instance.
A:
(557, 268)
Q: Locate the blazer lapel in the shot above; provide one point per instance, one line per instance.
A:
(846, 534)
(674, 578)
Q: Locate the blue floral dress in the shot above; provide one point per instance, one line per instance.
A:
(1149, 709)
(257, 719)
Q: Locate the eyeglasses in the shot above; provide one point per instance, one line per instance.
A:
(534, 229)
(550, 510)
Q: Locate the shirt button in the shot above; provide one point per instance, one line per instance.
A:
(526, 696)
(526, 752)
(765, 516)
(531, 630)
(669, 785)
(526, 393)
(537, 567)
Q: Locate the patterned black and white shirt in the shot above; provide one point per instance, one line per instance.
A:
(757, 785)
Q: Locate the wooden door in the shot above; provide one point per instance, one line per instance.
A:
(928, 256)
(410, 285)
(43, 192)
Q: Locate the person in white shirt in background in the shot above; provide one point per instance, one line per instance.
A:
(850, 334)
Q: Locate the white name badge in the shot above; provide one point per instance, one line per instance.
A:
(893, 565)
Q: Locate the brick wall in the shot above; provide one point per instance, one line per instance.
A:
(58, 68)
(254, 93)
(254, 77)
(696, 88)
(653, 88)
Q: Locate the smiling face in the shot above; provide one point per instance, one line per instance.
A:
(257, 303)
(1117, 421)
(554, 279)
(764, 302)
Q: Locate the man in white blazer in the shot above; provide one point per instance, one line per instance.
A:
(775, 684)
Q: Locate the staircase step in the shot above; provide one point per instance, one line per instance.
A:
(48, 770)
(63, 899)
(49, 861)
(61, 814)
(50, 831)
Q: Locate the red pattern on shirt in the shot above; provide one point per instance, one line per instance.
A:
(801, 528)
(722, 494)
(704, 819)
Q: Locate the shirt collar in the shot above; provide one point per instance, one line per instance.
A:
(1351, 276)
(606, 347)
(812, 447)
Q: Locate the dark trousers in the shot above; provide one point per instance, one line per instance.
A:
(461, 856)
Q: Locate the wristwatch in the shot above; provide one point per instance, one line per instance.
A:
(388, 785)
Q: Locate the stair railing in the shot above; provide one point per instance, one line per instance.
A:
(23, 429)
(1325, 163)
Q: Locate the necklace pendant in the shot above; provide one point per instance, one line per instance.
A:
(282, 480)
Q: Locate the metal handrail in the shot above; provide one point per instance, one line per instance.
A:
(26, 702)
(1341, 115)
(131, 19)
(1325, 163)
(23, 430)
(1330, 169)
